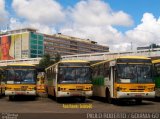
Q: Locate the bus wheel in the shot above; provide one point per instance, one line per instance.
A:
(108, 97)
(138, 101)
(83, 99)
(11, 97)
(47, 93)
(57, 99)
(1, 92)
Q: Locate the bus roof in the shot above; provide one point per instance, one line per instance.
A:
(122, 57)
(73, 61)
(156, 61)
(68, 61)
(20, 65)
(133, 57)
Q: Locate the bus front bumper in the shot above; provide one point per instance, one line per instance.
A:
(74, 94)
(32, 93)
(136, 94)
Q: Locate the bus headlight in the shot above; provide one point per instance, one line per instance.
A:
(59, 88)
(91, 87)
(118, 88)
(8, 88)
(151, 89)
(121, 89)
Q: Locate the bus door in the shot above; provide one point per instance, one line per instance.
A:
(55, 80)
(112, 78)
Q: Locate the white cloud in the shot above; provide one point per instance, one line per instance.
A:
(91, 19)
(41, 11)
(16, 24)
(145, 33)
(96, 12)
(3, 12)
(106, 35)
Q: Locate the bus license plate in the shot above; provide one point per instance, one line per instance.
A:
(79, 87)
(24, 88)
(20, 93)
(76, 94)
(138, 95)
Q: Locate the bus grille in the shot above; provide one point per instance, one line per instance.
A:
(72, 89)
(17, 89)
(137, 90)
(76, 89)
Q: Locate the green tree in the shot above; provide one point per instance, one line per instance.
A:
(46, 60)
(57, 57)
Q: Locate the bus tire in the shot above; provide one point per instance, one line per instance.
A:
(48, 95)
(58, 99)
(55, 97)
(11, 98)
(138, 101)
(108, 97)
(83, 99)
(1, 92)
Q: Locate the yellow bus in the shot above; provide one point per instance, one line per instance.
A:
(156, 65)
(40, 83)
(127, 77)
(20, 80)
(69, 78)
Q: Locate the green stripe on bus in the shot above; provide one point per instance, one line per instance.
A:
(99, 80)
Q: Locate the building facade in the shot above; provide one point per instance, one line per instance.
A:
(67, 45)
(21, 44)
(28, 43)
(150, 47)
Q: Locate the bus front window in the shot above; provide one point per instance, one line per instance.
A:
(126, 73)
(74, 75)
(144, 73)
(134, 73)
(21, 76)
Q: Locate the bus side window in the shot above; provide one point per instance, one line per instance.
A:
(96, 70)
(109, 73)
(101, 70)
(157, 71)
(106, 70)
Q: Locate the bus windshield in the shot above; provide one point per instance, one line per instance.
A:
(74, 75)
(134, 73)
(21, 76)
(157, 70)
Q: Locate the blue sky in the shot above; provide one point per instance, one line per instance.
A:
(135, 8)
(100, 20)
